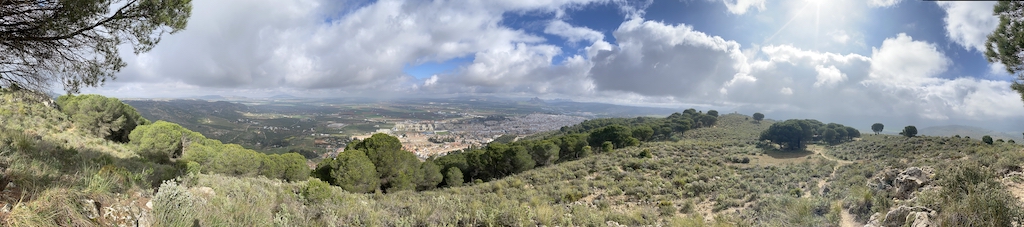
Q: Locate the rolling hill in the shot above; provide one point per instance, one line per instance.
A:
(720, 175)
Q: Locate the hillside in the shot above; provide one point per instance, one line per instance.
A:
(964, 131)
(720, 175)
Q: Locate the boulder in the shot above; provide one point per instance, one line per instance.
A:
(875, 220)
(908, 181)
(918, 216)
(903, 184)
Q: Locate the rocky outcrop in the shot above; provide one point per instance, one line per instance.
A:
(902, 215)
(901, 184)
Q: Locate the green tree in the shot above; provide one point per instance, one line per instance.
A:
(351, 171)
(830, 136)
(909, 131)
(76, 43)
(397, 168)
(430, 176)
(643, 133)
(877, 127)
(706, 120)
(758, 117)
(544, 153)
(841, 134)
(788, 134)
(617, 134)
(713, 113)
(162, 141)
(1006, 44)
(288, 166)
(454, 177)
(987, 139)
(101, 116)
(852, 132)
(607, 146)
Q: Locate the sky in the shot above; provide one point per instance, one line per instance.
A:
(856, 62)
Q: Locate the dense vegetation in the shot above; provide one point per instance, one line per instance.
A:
(719, 173)
(795, 134)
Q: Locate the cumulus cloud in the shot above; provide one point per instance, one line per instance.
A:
(571, 33)
(741, 6)
(899, 81)
(657, 59)
(968, 23)
(258, 46)
(828, 76)
(266, 44)
(901, 61)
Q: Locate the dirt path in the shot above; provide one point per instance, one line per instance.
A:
(847, 218)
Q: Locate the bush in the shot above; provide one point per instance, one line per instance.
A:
(317, 192)
(162, 141)
(173, 205)
(987, 139)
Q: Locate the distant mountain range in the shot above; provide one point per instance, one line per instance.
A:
(973, 132)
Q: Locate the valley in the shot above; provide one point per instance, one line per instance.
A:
(320, 128)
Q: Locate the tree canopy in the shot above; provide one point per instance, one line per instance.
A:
(101, 116)
(76, 43)
(877, 127)
(909, 131)
(1006, 44)
(394, 169)
(758, 117)
(162, 140)
(794, 134)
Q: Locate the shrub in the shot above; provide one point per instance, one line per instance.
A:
(666, 208)
(317, 191)
(173, 205)
(987, 139)
(162, 141)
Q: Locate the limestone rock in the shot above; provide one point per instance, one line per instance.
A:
(875, 220)
(918, 216)
(91, 208)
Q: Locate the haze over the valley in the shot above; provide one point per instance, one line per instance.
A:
(855, 62)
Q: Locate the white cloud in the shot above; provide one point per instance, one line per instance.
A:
(656, 59)
(968, 23)
(267, 44)
(262, 47)
(741, 6)
(573, 34)
(508, 65)
(901, 61)
(828, 76)
(786, 91)
(430, 81)
(839, 36)
(883, 3)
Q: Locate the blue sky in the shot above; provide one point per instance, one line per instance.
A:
(904, 61)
